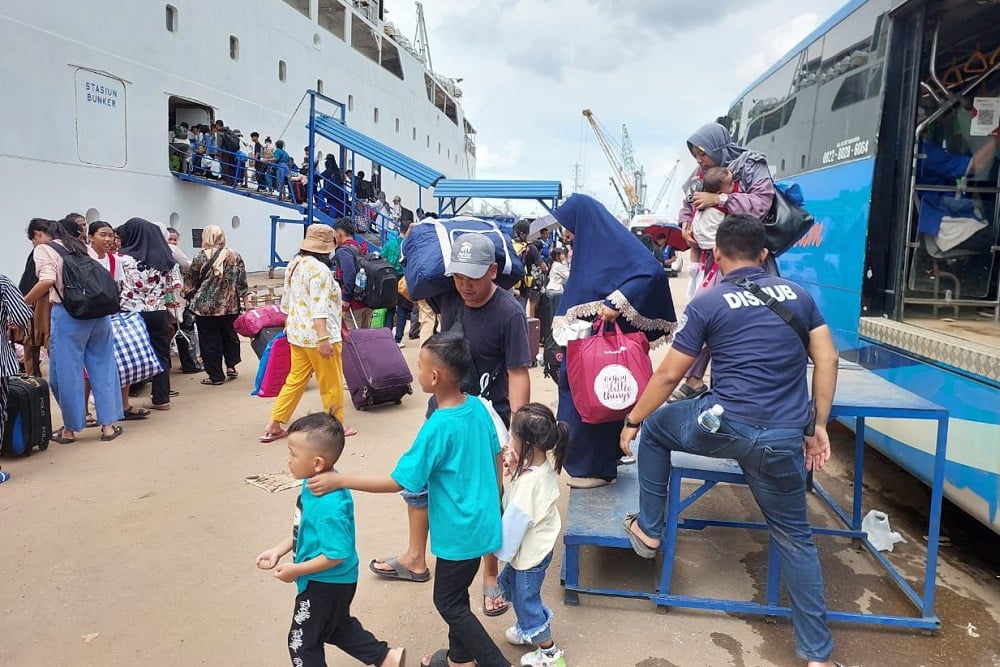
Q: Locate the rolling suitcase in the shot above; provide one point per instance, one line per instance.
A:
(261, 340)
(374, 368)
(29, 417)
(534, 339)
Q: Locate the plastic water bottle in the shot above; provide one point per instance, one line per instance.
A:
(361, 280)
(711, 419)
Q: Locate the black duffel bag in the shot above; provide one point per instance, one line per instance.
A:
(785, 223)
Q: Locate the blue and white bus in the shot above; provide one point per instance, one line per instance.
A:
(886, 117)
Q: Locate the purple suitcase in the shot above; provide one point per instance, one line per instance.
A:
(374, 368)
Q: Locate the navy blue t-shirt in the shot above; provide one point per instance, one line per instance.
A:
(758, 361)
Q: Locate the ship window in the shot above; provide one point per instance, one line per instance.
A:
(234, 47)
(375, 115)
(390, 59)
(363, 39)
(319, 86)
(414, 134)
(449, 153)
(282, 70)
(171, 18)
(332, 16)
(175, 220)
(92, 215)
(302, 6)
(350, 102)
(429, 83)
(450, 110)
(235, 222)
(439, 148)
(316, 40)
(428, 141)
(397, 125)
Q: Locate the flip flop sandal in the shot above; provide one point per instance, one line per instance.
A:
(4, 476)
(685, 392)
(271, 437)
(398, 571)
(349, 431)
(494, 593)
(439, 659)
(232, 374)
(62, 440)
(213, 383)
(115, 432)
(90, 421)
(133, 414)
(157, 406)
(642, 549)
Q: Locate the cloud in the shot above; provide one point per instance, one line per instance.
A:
(663, 67)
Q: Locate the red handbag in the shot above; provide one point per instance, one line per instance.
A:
(607, 373)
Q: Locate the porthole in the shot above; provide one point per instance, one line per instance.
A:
(282, 70)
(92, 215)
(171, 18)
(234, 47)
(350, 102)
(375, 115)
(316, 39)
(319, 86)
(175, 220)
(236, 222)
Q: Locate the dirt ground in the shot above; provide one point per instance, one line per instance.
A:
(141, 551)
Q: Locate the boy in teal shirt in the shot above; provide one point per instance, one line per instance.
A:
(325, 566)
(456, 457)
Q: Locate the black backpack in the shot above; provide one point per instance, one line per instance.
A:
(228, 141)
(381, 286)
(89, 291)
(381, 289)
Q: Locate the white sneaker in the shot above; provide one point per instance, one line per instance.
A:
(401, 345)
(538, 658)
(515, 637)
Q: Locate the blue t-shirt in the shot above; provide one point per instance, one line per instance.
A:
(454, 457)
(758, 361)
(324, 525)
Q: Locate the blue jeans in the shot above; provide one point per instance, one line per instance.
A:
(73, 346)
(774, 466)
(402, 317)
(524, 590)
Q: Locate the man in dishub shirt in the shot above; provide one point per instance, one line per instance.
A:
(759, 379)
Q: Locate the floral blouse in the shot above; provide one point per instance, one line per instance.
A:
(310, 293)
(216, 295)
(144, 289)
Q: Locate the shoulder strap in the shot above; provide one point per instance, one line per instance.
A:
(777, 307)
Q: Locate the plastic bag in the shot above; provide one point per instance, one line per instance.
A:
(880, 534)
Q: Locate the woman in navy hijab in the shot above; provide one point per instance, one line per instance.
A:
(614, 278)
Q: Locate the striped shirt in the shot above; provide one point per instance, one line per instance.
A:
(13, 311)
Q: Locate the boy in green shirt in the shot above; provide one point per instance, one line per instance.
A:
(325, 565)
(456, 457)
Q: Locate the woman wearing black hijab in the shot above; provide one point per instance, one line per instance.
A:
(149, 270)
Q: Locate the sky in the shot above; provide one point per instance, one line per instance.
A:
(662, 67)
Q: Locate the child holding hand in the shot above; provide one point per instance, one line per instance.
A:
(456, 456)
(531, 525)
(325, 565)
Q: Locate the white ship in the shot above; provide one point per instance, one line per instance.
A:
(93, 88)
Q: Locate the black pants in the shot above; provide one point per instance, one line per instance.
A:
(322, 615)
(185, 351)
(218, 341)
(467, 639)
(158, 326)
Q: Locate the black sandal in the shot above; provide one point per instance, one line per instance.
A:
(115, 432)
(214, 383)
(61, 439)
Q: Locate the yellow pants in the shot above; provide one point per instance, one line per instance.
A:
(329, 376)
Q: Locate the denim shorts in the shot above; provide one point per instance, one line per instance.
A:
(416, 500)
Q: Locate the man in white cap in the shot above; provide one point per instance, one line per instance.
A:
(497, 330)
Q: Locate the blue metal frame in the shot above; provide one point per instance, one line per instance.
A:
(860, 394)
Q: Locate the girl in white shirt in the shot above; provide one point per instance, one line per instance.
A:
(558, 272)
(531, 526)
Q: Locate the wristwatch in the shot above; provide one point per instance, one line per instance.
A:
(723, 198)
(630, 424)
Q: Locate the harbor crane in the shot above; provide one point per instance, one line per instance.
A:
(628, 178)
(668, 181)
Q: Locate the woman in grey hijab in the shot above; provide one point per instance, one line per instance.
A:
(753, 194)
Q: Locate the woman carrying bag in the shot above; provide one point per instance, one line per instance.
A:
(216, 289)
(617, 282)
